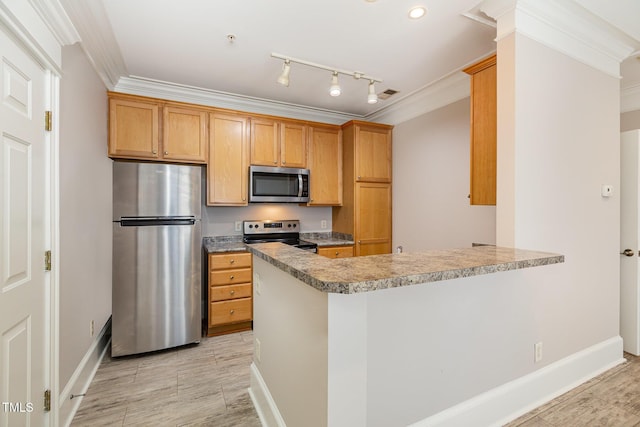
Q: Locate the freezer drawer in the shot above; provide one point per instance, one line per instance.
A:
(156, 287)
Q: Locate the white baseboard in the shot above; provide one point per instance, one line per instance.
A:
(502, 404)
(263, 401)
(82, 376)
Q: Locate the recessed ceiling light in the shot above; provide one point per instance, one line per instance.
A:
(417, 12)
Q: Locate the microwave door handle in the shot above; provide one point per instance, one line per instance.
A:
(299, 185)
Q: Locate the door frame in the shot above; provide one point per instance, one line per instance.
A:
(20, 32)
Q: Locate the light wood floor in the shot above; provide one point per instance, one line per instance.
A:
(197, 385)
(206, 385)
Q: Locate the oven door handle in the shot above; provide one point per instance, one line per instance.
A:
(299, 185)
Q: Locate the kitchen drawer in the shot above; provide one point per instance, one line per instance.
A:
(229, 277)
(233, 260)
(222, 293)
(336, 251)
(236, 310)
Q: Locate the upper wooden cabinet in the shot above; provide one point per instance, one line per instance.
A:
(228, 168)
(134, 129)
(278, 143)
(137, 131)
(483, 132)
(373, 145)
(325, 165)
(184, 136)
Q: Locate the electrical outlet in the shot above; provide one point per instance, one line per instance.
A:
(537, 352)
(257, 350)
(323, 224)
(258, 282)
(238, 225)
(91, 328)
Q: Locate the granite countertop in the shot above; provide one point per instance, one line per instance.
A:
(370, 273)
(221, 244)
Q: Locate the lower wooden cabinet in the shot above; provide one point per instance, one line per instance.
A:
(230, 297)
(336, 251)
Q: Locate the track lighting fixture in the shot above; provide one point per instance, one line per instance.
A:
(335, 89)
(372, 98)
(284, 77)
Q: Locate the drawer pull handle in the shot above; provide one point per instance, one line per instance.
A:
(232, 261)
(336, 253)
(231, 311)
(232, 292)
(231, 277)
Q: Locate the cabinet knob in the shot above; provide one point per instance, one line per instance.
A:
(232, 261)
(154, 152)
(358, 176)
(284, 163)
(275, 162)
(166, 152)
(232, 292)
(231, 277)
(231, 311)
(359, 241)
(336, 253)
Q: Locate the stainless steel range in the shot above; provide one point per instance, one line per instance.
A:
(283, 231)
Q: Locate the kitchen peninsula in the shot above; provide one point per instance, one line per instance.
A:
(386, 339)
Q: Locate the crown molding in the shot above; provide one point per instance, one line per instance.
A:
(566, 27)
(213, 98)
(57, 20)
(630, 99)
(97, 39)
(438, 94)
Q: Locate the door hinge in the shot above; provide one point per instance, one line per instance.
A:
(47, 400)
(47, 261)
(48, 117)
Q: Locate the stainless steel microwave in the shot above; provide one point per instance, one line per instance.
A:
(278, 185)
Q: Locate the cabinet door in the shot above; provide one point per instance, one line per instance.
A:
(228, 169)
(133, 129)
(483, 134)
(184, 135)
(265, 145)
(293, 145)
(325, 164)
(373, 154)
(372, 218)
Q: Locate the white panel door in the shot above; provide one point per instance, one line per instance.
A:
(23, 190)
(629, 240)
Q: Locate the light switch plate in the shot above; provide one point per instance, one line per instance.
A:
(238, 225)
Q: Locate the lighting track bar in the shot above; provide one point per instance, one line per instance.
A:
(355, 74)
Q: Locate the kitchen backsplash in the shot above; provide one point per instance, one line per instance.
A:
(220, 221)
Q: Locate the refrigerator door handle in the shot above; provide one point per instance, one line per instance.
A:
(142, 222)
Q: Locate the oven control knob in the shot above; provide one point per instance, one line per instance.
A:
(289, 225)
(294, 225)
(250, 225)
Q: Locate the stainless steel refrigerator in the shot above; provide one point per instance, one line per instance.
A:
(157, 256)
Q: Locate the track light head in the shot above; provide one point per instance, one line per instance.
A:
(372, 98)
(284, 77)
(334, 90)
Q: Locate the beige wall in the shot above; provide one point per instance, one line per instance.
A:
(85, 210)
(557, 145)
(630, 120)
(431, 183)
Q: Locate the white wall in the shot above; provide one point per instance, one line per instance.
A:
(220, 221)
(630, 121)
(558, 142)
(85, 210)
(431, 209)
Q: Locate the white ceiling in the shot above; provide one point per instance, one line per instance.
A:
(185, 42)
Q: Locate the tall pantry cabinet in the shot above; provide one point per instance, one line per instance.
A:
(366, 209)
